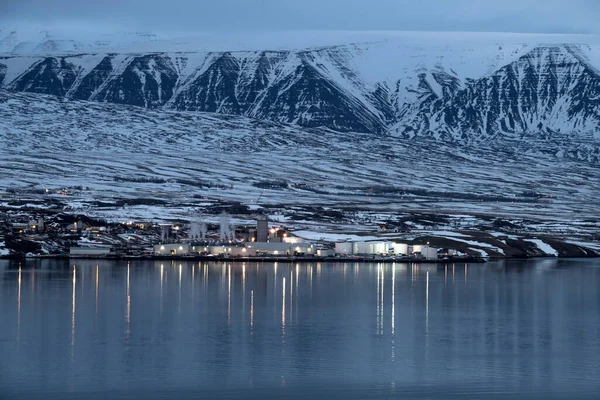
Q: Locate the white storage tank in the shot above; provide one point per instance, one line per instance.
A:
(344, 248)
(380, 248)
(400, 248)
(363, 248)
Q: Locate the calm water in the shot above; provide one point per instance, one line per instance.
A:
(187, 330)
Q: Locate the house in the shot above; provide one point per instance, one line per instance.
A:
(18, 227)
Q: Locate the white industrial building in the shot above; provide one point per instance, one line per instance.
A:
(173, 249)
(229, 250)
(250, 249)
(364, 248)
(282, 249)
(345, 248)
(400, 249)
(325, 252)
(381, 247)
(89, 251)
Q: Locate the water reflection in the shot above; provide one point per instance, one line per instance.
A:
(73, 296)
(511, 327)
(427, 303)
(229, 295)
(19, 307)
(393, 319)
(283, 309)
(128, 306)
(251, 310)
(96, 287)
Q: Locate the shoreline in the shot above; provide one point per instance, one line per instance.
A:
(251, 259)
(388, 260)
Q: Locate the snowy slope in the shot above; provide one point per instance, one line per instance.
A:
(105, 152)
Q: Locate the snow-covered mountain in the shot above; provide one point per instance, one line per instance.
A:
(468, 124)
(457, 87)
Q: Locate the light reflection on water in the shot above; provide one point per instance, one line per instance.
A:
(154, 330)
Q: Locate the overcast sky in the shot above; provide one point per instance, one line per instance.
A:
(190, 16)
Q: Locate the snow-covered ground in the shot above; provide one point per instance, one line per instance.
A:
(544, 247)
(333, 237)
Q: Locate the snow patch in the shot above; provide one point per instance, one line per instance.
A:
(544, 247)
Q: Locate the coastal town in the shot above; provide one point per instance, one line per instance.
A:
(83, 237)
(62, 235)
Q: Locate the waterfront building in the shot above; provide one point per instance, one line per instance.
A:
(173, 249)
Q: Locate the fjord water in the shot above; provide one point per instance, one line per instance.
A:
(148, 329)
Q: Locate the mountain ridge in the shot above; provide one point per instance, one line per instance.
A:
(391, 87)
